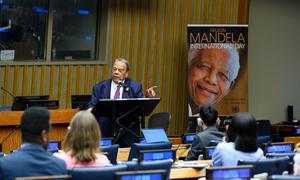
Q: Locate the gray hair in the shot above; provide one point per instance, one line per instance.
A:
(123, 61)
(234, 59)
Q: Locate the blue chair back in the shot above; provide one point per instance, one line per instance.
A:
(96, 173)
(264, 127)
(269, 165)
(137, 147)
(158, 164)
(262, 140)
(159, 120)
(276, 155)
(112, 152)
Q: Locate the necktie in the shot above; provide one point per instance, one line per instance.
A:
(117, 93)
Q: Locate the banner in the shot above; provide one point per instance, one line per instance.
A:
(218, 67)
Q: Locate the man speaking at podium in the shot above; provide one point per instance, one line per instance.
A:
(119, 87)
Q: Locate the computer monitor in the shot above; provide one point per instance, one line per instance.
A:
(155, 135)
(106, 141)
(236, 172)
(159, 154)
(80, 101)
(48, 104)
(279, 147)
(188, 138)
(192, 124)
(297, 131)
(145, 174)
(208, 152)
(21, 102)
(54, 146)
(137, 147)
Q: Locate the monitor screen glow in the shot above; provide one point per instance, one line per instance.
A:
(189, 138)
(298, 131)
(106, 142)
(158, 155)
(231, 173)
(142, 177)
(282, 148)
(211, 151)
(53, 145)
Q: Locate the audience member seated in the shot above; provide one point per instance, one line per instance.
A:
(81, 145)
(209, 116)
(241, 145)
(296, 168)
(32, 159)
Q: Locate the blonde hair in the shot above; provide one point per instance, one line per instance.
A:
(82, 138)
(297, 147)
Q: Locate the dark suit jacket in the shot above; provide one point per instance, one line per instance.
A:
(102, 91)
(202, 140)
(30, 160)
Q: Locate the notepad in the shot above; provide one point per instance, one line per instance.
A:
(187, 164)
(155, 135)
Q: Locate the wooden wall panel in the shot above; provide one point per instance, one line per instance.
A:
(151, 35)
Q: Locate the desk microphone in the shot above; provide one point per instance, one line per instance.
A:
(7, 92)
(127, 129)
(9, 134)
(120, 133)
(190, 124)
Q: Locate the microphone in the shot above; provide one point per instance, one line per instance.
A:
(120, 133)
(9, 93)
(126, 88)
(8, 135)
(190, 124)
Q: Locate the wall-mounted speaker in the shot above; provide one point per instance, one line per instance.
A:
(290, 113)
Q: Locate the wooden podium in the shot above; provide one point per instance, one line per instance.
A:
(10, 121)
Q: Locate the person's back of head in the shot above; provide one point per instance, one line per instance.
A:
(82, 138)
(243, 128)
(35, 126)
(208, 114)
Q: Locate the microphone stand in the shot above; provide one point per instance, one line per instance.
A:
(9, 93)
(186, 131)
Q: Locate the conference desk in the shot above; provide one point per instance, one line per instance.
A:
(176, 173)
(11, 134)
